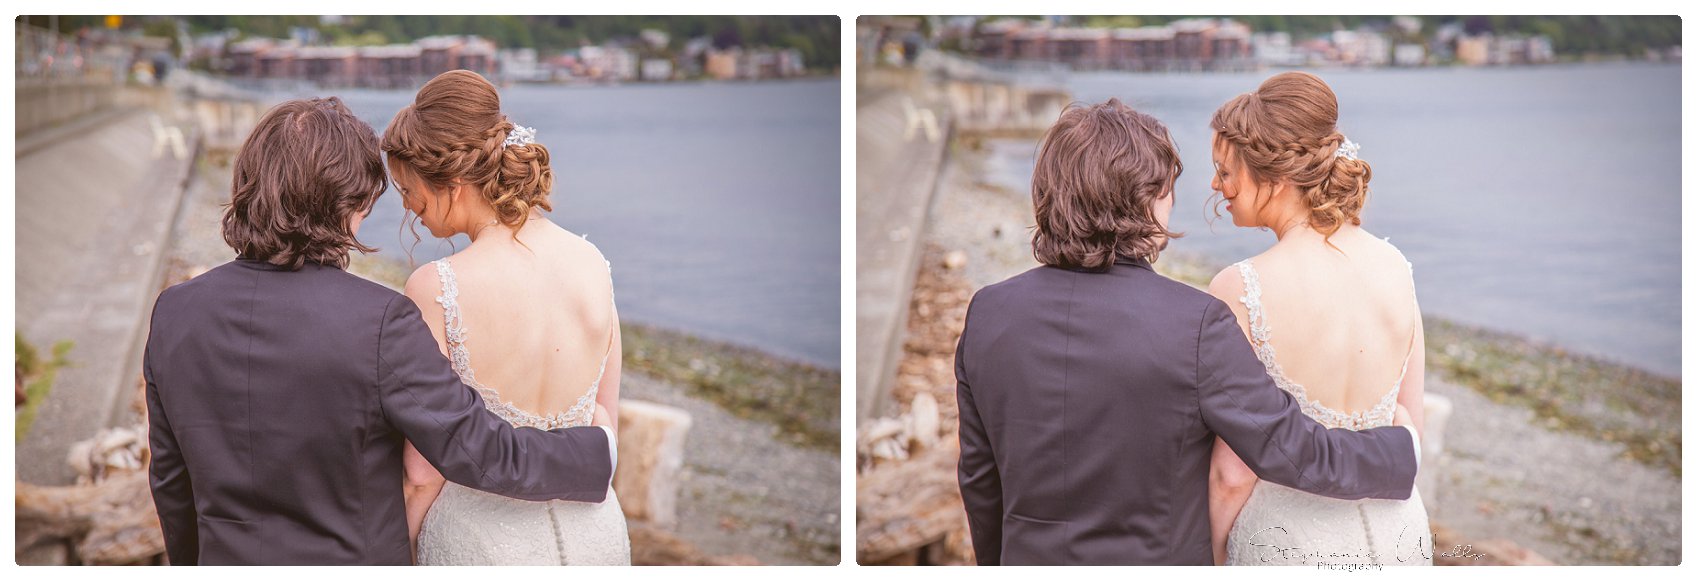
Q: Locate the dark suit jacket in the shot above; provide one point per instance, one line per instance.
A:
(1089, 403)
(278, 402)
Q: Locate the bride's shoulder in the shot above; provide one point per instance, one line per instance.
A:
(424, 285)
(1227, 284)
(578, 253)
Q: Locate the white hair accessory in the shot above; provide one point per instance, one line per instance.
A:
(1348, 149)
(520, 135)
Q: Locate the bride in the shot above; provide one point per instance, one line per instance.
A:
(527, 305)
(1331, 312)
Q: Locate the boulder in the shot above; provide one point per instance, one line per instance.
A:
(651, 455)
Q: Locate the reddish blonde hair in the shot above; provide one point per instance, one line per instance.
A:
(454, 131)
(1288, 130)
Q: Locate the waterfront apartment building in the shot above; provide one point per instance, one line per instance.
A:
(1189, 44)
(401, 65)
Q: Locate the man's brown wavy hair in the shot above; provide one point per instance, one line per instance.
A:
(1100, 170)
(300, 177)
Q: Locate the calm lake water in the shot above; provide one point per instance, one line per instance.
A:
(1543, 201)
(718, 204)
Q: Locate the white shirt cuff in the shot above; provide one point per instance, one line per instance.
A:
(1416, 434)
(612, 451)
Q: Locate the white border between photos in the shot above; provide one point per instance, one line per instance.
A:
(847, 10)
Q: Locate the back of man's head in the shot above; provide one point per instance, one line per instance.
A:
(1100, 171)
(306, 170)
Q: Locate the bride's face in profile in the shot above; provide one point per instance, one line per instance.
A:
(429, 203)
(1243, 196)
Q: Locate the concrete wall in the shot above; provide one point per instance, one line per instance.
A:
(47, 102)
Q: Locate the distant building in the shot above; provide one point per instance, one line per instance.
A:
(1540, 50)
(1361, 47)
(1274, 48)
(521, 65)
(1473, 50)
(445, 53)
(609, 63)
(1189, 44)
(722, 65)
(334, 66)
(1409, 55)
(391, 66)
(1487, 49)
(655, 70)
(694, 55)
(791, 63)
(401, 65)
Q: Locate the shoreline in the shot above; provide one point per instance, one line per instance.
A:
(271, 95)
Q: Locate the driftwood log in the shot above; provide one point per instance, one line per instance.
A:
(910, 512)
(111, 522)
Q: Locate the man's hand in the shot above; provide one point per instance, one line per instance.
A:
(602, 418)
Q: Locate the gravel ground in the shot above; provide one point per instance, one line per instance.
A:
(1592, 507)
(199, 239)
(1503, 474)
(745, 491)
(985, 218)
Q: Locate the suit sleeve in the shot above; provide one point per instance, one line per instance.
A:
(1265, 426)
(168, 476)
(446, 421)
(980, 481)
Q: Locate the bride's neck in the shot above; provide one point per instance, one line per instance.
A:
(1289, 223)
(491, 228)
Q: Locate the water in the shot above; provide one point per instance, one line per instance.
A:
(717, 204)
(1543, 201)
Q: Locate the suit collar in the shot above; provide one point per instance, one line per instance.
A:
(1142, 263)
(257, 264)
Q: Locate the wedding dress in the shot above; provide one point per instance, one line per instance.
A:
(470, 527)
(1284, 526)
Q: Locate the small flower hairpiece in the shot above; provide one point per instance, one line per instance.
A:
(1349, 149)
(520, 135)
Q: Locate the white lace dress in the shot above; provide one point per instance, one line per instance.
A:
(470, 527)
(1284, 526)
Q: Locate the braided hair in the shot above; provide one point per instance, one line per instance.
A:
(1287, 130)
(454, 130)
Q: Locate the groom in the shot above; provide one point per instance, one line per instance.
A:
(281, 389)
(1091, 388)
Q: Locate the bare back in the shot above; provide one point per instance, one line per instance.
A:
(1342, 322)
(538, 320)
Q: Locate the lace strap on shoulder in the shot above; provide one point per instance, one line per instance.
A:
(1251, 299)
(452, 326)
